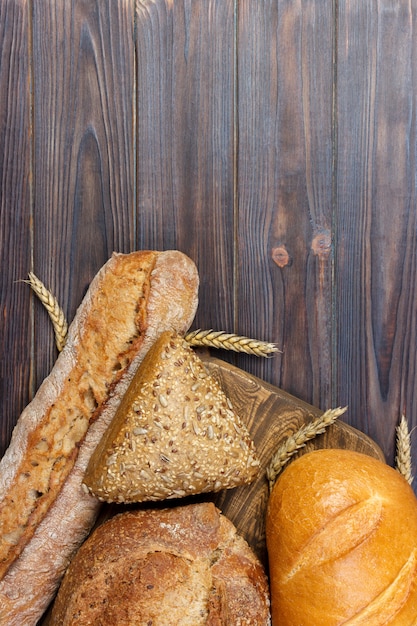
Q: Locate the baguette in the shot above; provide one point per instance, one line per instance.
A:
(44, 512)
(342, 543)
(182, 566)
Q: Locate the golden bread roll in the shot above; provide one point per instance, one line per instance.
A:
(184, 566)
(341, 534)
(174, 433)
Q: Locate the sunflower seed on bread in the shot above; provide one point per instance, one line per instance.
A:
(175, 433)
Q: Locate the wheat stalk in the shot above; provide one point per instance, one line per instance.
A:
(196, 338)
(229, 341)
(298, 440)
(237, 343)
(55, 312)
(403, 457)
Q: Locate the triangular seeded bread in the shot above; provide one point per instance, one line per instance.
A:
(174, 434)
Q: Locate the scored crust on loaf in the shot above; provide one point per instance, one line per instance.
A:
(184, 566)
(341, 534)
(387, 605)
(109, 330)
(175, 433)
(359, 521)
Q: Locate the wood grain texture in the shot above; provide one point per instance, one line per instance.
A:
(274, 142)
(15, 213)
(285, 190)
(185, 139)
(83, 66)
(376, 217)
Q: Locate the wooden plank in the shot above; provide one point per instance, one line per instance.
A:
(285, 71)
(375, 277)
(15, 212)
(185, 141)
(190, 152)
(83, 148)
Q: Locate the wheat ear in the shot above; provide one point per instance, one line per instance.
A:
(55, 312)
(298, 440)
(206, 338)
(229, 341)
(403, 457)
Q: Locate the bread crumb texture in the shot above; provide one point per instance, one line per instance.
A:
(175, 433)
(184, 566)
(342, 543)
(99, 349)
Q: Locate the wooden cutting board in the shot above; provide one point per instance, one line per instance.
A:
(271, 415)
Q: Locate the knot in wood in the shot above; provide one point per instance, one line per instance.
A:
(321, 244)
(280, 256)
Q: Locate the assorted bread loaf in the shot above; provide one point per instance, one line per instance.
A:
(342, 543)
(44, 512)
(179, 566)
(174, 434)
(129, 414)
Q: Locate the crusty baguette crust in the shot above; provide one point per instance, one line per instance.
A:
(167, 300)
(175, 566)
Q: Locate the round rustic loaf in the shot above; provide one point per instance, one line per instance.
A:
(182, 566)
(341, 534)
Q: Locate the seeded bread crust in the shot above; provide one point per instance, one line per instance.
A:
(174, 434)
(44, 513)
(184, 566)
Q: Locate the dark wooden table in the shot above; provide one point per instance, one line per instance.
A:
(273, 141)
